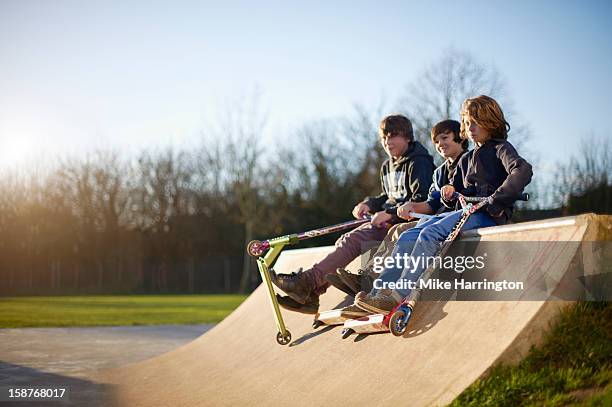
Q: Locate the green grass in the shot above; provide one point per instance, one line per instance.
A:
(64, 311)
(572, 367)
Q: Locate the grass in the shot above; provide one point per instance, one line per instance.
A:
(66, 311)
(572, 367)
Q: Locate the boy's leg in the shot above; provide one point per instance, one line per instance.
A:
(404, 245)
(396, 231)
(306, 286)
(427, 245)
(432, 236)
(387, 245)
(348, 247)
(366, 274)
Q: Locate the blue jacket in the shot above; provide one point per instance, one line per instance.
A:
(493, 169)
(441, 176)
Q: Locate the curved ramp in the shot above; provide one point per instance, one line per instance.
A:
(450, 344)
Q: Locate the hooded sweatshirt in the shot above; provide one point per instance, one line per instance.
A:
(493, 169)
(404, 179)
(442, 176)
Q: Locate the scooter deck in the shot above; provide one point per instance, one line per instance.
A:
(331, 317)
(367, 325)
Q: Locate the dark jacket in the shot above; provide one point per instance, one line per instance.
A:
(442, 176)
(494, 169)
(406, 179)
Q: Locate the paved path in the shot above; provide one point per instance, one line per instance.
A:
(60, 357)
(67, 351)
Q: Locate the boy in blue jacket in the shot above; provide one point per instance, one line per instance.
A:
(493, 169)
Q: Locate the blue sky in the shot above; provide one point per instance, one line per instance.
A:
(77, 75)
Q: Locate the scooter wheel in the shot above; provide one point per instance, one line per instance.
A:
(316, 323)
(283, 339)
(254, 248)
(346, 332)
(399, 321)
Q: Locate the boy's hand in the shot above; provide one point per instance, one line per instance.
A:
(403, 211)
(380, 218)
(447, 192)
(360, 210)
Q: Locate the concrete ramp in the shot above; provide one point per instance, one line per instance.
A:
(449, 345)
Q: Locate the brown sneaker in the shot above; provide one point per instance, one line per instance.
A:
(311, 306)
(352, 311)
(367, 281)
(353, 281)
(297, 285)
(337, 282)
(381, 303)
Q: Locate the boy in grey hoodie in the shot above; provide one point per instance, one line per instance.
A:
(445, 137)
(405, 177)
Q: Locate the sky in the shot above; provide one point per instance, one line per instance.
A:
(82, 75)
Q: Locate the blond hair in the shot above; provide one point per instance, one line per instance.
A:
(487, 113)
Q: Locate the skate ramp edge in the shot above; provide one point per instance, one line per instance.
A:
(449, 344)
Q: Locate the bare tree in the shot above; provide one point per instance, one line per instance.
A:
(161, 201)
(96, 189)
(234, 153)
(362, 129)
(437, 94)
(584, 183)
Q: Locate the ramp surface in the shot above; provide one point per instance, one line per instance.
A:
(449, 345)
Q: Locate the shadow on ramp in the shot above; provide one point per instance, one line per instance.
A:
(348, 300)
(311, 335)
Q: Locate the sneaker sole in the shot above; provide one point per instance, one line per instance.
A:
(347, 282)
(339, 284)
(370, 308)
(290, 307)
(355, 314)
(295, 297)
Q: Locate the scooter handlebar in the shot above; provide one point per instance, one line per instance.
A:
(523, 197)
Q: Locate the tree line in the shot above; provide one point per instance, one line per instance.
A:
(175, 220)
(178, 220)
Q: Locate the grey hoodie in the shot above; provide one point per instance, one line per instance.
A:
(405, 179)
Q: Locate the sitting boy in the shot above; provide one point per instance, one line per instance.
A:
(405, 177)
(447, 141)
(493, 169)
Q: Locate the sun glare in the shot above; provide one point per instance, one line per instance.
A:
(15, 151)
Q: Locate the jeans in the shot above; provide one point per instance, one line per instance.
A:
(422, 241)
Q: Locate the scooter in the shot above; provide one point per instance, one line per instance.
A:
(267, 251)
(336, 316)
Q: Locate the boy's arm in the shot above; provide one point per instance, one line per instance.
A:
(375, 203)
(403, 211)
(519, 175)
(434, 203)
(456, 181)
(418, 179)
